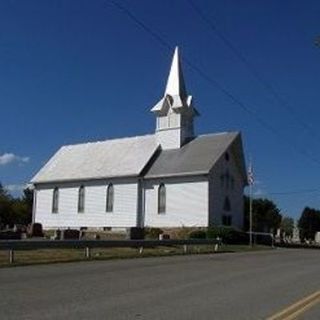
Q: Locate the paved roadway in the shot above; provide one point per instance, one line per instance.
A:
(221, 286)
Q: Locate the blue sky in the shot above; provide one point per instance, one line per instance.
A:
(77, 71)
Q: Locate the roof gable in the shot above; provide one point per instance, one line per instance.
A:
(111, 158)
(196, 157)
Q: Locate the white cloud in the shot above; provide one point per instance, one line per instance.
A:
(15, 187)
(7, 158)
(259, 192)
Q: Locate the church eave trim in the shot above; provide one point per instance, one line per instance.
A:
(180, 174)
(84, 179)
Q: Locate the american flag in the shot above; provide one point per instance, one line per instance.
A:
(250, 175)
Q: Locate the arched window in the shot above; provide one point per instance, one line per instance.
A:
(226, 205)
(81, 199)
(161, 199)
(109, 198)
(55, 200)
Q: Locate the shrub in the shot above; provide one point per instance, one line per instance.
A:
(228, 235)
(197, 234)
(183, 232)
(35, 230)
(238, 237)
(71, 234)
(262, 239)
(136, 233)
(153, 233)
(10, 235)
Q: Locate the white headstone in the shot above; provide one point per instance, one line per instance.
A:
(295, 234)
(317, 237)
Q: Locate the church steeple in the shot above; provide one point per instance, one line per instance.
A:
(175, 111)
(175, 83)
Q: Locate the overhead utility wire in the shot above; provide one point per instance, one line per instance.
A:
(293, 192)
(284, 193)
(281, 101)
(213, 82)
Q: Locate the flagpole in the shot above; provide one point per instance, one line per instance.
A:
(250, 214)
(250, 176)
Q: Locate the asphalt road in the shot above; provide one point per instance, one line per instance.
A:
(221, 286)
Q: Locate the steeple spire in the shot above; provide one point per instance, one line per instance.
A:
(175, 111)
(175, 83)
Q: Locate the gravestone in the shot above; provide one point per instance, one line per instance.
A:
(317, 237)
(296, 233)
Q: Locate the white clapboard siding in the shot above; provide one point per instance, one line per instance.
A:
(124, 211)
(186, 203)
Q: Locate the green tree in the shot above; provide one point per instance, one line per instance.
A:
(15, 210)
(287, 225)
(5, 207)
(266, 216)
(27, 199)
(309, 223)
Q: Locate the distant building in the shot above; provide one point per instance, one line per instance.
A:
(171, 178)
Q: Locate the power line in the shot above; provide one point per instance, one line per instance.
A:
(286, 193)
(281, 101)
(293, 192)
(211, 81)
(142, 25)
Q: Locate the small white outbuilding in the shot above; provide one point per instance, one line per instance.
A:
(171, 178)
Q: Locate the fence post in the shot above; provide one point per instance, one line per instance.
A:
(217, 245)
(11, 256)
(87, 252)
(272, 241)
(185, 248)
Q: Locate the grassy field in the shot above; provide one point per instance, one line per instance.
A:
(28, 257)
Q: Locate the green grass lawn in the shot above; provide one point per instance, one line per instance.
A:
(28, 257)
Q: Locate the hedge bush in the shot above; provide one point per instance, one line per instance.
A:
(136, 233)
(228, 235)
(10, 235)
(71, 234)
(152, 233)
(198, 234)
(35, 230)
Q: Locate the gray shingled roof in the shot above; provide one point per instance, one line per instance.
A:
(196, 157)
(130, 157)
(111, 158)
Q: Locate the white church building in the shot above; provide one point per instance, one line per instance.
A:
(171, 178)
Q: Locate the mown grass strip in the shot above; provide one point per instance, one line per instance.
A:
(45, 256)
